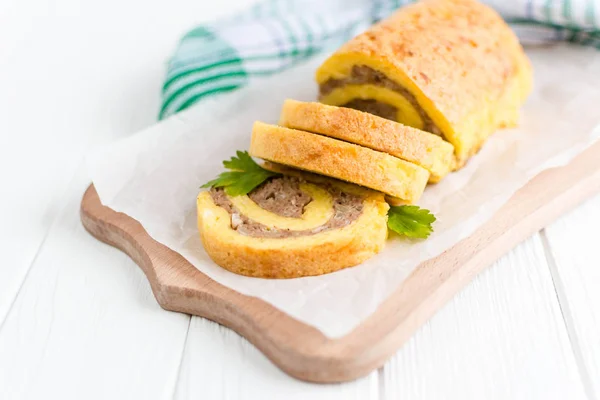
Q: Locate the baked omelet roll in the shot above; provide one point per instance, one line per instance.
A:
(450, 67)
(290, 227)
(403, 181)
(419, 147)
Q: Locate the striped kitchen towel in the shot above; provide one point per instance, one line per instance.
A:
(275, 35)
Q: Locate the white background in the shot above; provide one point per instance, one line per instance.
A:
(78, 319)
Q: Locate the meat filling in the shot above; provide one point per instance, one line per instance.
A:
(281, 196)
(362, 75)
(371, 106)
(289, 201)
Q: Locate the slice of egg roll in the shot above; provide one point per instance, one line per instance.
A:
(291, 227)
(416, 146)
(403, 181)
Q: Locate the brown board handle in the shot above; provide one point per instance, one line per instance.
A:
(301, 350)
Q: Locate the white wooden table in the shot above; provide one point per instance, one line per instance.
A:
(78, 320)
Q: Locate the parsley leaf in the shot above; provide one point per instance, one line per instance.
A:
(244, 176)
(410, 221)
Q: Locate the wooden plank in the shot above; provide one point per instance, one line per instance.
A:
(220, 364)
(502, 337)
(574, 257)
(53, 344)
(301, 350)
(85, 325)
(62, 93)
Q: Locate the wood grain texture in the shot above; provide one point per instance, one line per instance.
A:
(85, 324)
(220, 364)
(301, 350)
(76, 108)
(572, 248)
(500, 338)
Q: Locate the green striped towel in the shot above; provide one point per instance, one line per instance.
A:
(275, 35)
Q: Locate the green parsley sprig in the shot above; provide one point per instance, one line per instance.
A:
(411, 221)
(244, 175)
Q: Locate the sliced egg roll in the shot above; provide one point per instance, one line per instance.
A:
(419, 147)
(450, 67)
(290, 227)
(289, 171)
(349, 162)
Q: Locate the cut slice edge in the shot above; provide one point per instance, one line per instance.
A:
(345, 161)
(410, 144)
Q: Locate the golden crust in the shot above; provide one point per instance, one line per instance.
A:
(419, 147)
(337, 159)
(462, 62)
(321, 253)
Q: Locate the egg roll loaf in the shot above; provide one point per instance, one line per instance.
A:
(290, 227)
(451, 67)
(337, 159)
(419, 147)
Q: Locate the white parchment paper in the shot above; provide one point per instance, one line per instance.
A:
(154, 176)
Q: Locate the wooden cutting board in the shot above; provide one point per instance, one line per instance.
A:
(301, 350)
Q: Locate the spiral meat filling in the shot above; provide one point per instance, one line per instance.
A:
(363, 75)
(289, 197)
